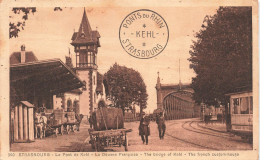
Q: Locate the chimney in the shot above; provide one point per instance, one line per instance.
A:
(69, 62)
(23, 54)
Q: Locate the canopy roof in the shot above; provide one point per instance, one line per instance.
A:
(51, 74)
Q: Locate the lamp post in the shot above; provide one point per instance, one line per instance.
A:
(203, 111)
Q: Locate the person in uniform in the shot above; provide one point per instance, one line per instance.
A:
(160, 120)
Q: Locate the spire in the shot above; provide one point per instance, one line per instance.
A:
(85, 26)
(85, 34)
(158, 78)
(158, 84)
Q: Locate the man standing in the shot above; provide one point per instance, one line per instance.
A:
(160, 120)
(90, 120)
(144, 128)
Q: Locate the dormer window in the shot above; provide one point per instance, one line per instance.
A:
(82, 35)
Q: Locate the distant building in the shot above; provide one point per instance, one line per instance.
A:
(176, 100)
(22, 56)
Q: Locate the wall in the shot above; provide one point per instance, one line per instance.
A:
(85, 96)
(72, 97)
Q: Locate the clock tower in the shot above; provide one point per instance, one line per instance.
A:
(86, 43)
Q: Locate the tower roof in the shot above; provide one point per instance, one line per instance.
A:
(85, 33)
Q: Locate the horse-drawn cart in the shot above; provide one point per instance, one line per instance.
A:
(108, 138)
(57, 122)
(108, 129)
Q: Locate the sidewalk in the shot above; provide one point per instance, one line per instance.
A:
(71, 142)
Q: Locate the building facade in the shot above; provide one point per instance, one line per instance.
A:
(86, 43)
(176, 100)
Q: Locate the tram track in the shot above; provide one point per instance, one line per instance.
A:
(189, 142)
(201, 131)
(211, 129)
(189, 125)
(224, 135)
(195, 130)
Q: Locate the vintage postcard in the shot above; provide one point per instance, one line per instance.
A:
(96, 79)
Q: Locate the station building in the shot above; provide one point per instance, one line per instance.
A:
(34, 85)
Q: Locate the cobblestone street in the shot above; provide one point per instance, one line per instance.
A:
(181, 135)
(186, 135)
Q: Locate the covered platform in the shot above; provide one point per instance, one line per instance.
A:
(38, 81)
(32, 88)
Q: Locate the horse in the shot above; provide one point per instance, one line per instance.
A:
(40, 125)
(79, 119)
(144, 129)
(161, 126)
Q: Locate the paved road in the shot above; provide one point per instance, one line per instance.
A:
(181, 135)
(185, 135)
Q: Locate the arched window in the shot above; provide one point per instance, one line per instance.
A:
(69, 105)
(76, 106)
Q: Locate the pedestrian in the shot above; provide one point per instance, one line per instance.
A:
(90, 120)
(144, 128)
(160, 120)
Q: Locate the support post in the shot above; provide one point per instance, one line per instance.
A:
(20, 126)
(15, 123)
(25, 123)
(30, 124)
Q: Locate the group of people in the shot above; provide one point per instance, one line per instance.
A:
(144, 127)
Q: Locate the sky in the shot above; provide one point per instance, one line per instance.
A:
(48, 34)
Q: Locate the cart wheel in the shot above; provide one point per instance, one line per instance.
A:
(68, 129)
(126, 143)
(56, 131)
(92, 144)
(91, 141)
(97, 144)
(120, 141)
(61, 129)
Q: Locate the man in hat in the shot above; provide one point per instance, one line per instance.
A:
(161, 125)
(144, 128)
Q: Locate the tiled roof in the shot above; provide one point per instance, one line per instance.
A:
(85, 33)
(15, 58)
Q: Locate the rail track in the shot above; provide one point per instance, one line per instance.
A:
(204, 131)
(189, 142)
(190, 126)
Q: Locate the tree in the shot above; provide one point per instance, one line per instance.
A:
(222, 54)
(126, 87)
(16, 27)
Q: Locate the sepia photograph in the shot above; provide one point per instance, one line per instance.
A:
(135, 81)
